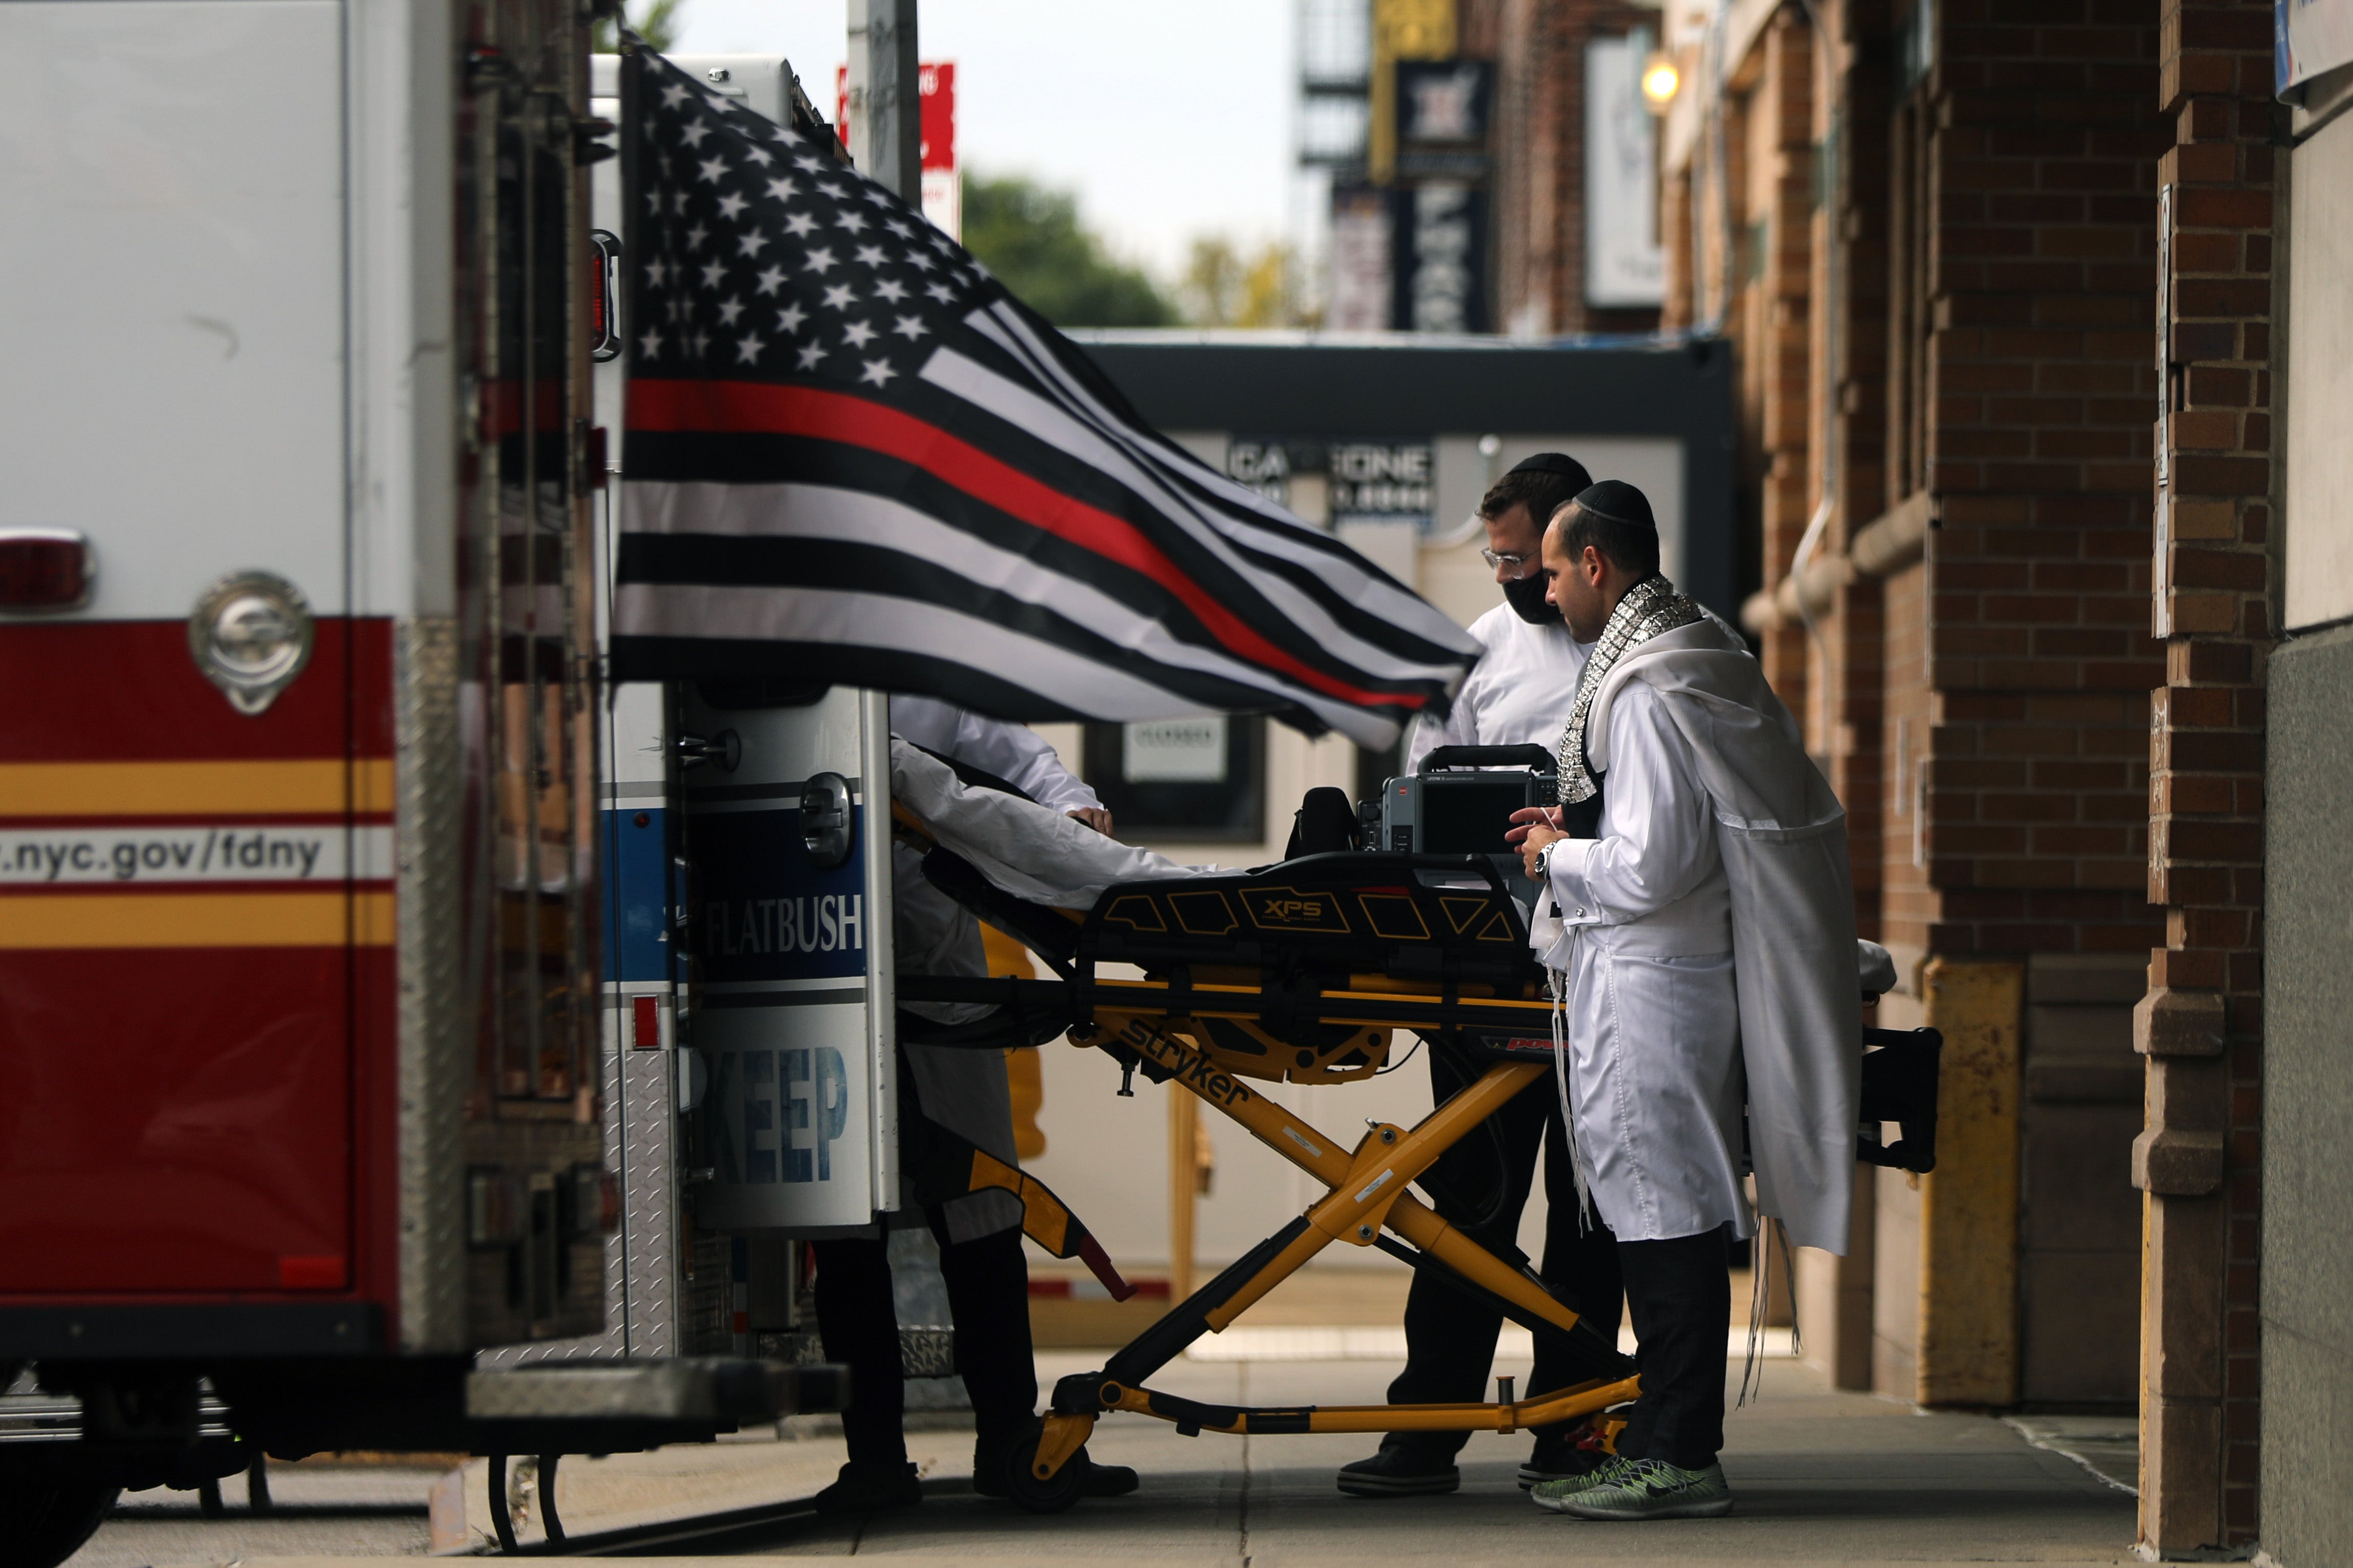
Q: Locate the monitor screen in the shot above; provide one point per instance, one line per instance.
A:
(1469, 814)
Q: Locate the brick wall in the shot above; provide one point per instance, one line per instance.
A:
(2024, 796)
(2042, 385)
(2202, 1024)
(1540, 166)
(1989, 253)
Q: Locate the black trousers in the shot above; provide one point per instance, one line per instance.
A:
(1679, 1292)
(989, 1304)
(1481, 1185)
(988, 1297)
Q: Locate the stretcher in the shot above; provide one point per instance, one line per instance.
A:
(1306, 971)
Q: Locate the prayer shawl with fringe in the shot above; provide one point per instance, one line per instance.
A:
(1782, 834)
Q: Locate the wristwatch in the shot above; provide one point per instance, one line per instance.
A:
(1544, 863)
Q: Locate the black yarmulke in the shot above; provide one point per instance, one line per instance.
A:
(1559, 463)
(1619, 502)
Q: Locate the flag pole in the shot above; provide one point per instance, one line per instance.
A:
(886, 109)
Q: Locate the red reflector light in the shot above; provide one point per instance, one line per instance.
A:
(605, 296)
(43, 569)
(320, 1273)
(645, 1022)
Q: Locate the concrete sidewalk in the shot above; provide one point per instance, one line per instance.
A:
(1818, 1478)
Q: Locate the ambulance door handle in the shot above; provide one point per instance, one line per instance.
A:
(827, 821)
(726, 748)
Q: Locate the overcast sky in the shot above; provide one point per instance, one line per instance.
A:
(1168, 120)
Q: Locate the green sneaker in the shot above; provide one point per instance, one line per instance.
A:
(1638, 1488)
(1548, 1494)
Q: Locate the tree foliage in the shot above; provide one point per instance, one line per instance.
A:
(1032, 239)
(655, 21)
(1223, 286)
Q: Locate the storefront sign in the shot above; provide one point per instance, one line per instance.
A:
(1442, 115)
(1624, 265)
(1440, 247)
(2309, 36)
(943, 183)
(1381, 481)
(1175, 751)
(1360, 260)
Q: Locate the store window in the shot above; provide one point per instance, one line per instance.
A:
(1202, 778)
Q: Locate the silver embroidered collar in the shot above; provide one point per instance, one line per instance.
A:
(1651, 606)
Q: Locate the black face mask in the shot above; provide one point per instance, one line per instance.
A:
(1526, 597)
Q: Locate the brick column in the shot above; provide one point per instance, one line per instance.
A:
(2200, 1026)
(1849, 333)
(1853, 268)
(1681, 309)
(1777, 324)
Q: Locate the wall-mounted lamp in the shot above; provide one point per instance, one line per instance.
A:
(1660, 79)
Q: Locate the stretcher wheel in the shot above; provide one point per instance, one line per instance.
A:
(1051, 1496)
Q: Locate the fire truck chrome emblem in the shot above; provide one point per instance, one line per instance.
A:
(251, 635)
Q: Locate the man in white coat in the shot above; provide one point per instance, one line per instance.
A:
(1703, 952)
(1519, 693)
(1528, 664)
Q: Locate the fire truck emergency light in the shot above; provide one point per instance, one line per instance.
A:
(44, 569)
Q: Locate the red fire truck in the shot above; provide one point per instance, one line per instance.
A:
(300, 996)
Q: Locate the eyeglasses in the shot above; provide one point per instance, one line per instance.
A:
(1518, 564)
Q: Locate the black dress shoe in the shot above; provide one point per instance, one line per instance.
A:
(1401, 1469)
(1561, 1457)
(1109, 1480)
(872, 1486)
(989, 1462)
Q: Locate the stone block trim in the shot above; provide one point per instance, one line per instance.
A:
(2176, 1163)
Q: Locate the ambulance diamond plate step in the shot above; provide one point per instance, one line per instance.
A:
(690, 1388)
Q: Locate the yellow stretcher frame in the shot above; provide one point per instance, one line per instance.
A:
(1365, 1196)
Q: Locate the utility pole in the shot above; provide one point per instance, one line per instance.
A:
(886, 109)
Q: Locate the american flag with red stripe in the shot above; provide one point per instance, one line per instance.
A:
(852, 458)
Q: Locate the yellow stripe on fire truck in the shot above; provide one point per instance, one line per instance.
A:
(300, 786)
(323, 918)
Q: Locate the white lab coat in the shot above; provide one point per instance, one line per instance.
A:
(1519, 691)
(1032, 852)
(1653, 1026)
(1708, 933)
(1014, 752)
